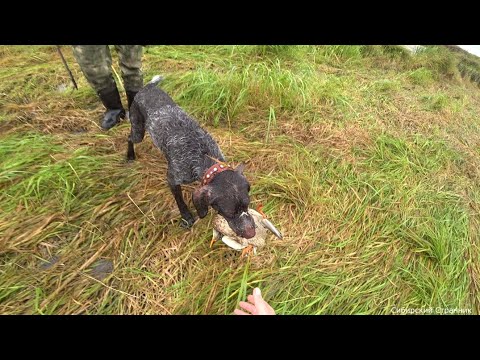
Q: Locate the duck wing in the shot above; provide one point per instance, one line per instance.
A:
(227, 240)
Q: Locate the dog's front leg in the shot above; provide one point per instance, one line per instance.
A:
(131, 149)
(187, 217)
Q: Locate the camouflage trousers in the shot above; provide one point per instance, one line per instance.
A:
(96, 64)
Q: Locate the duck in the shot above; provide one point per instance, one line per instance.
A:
(222, 231)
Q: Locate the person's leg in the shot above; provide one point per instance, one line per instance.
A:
(95, 62)
(130, 59)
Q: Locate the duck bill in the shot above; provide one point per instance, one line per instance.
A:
(272, 228)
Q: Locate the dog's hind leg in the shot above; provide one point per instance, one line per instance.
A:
(137, 130)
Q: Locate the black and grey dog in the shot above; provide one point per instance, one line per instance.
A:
(192, 155)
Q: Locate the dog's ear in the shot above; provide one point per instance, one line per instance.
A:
(239, 169)
(202, 200)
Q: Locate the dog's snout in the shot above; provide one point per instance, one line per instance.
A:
(249, 227)
(249, 232)
(243, 226)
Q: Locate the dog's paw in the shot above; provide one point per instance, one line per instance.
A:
(187, 222)
(131, 157)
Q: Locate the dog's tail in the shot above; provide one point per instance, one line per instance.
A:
(156, 79)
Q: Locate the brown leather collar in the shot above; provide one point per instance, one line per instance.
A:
(214, 170)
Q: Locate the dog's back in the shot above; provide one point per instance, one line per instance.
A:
(173, 131)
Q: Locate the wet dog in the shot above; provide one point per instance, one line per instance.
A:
(192, 154)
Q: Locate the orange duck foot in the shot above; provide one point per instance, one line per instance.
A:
(259, 209)
(247, 251)
(211, 242)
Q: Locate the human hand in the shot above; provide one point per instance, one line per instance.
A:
(255, 305)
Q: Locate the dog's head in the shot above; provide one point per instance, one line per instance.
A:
(227, 193)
